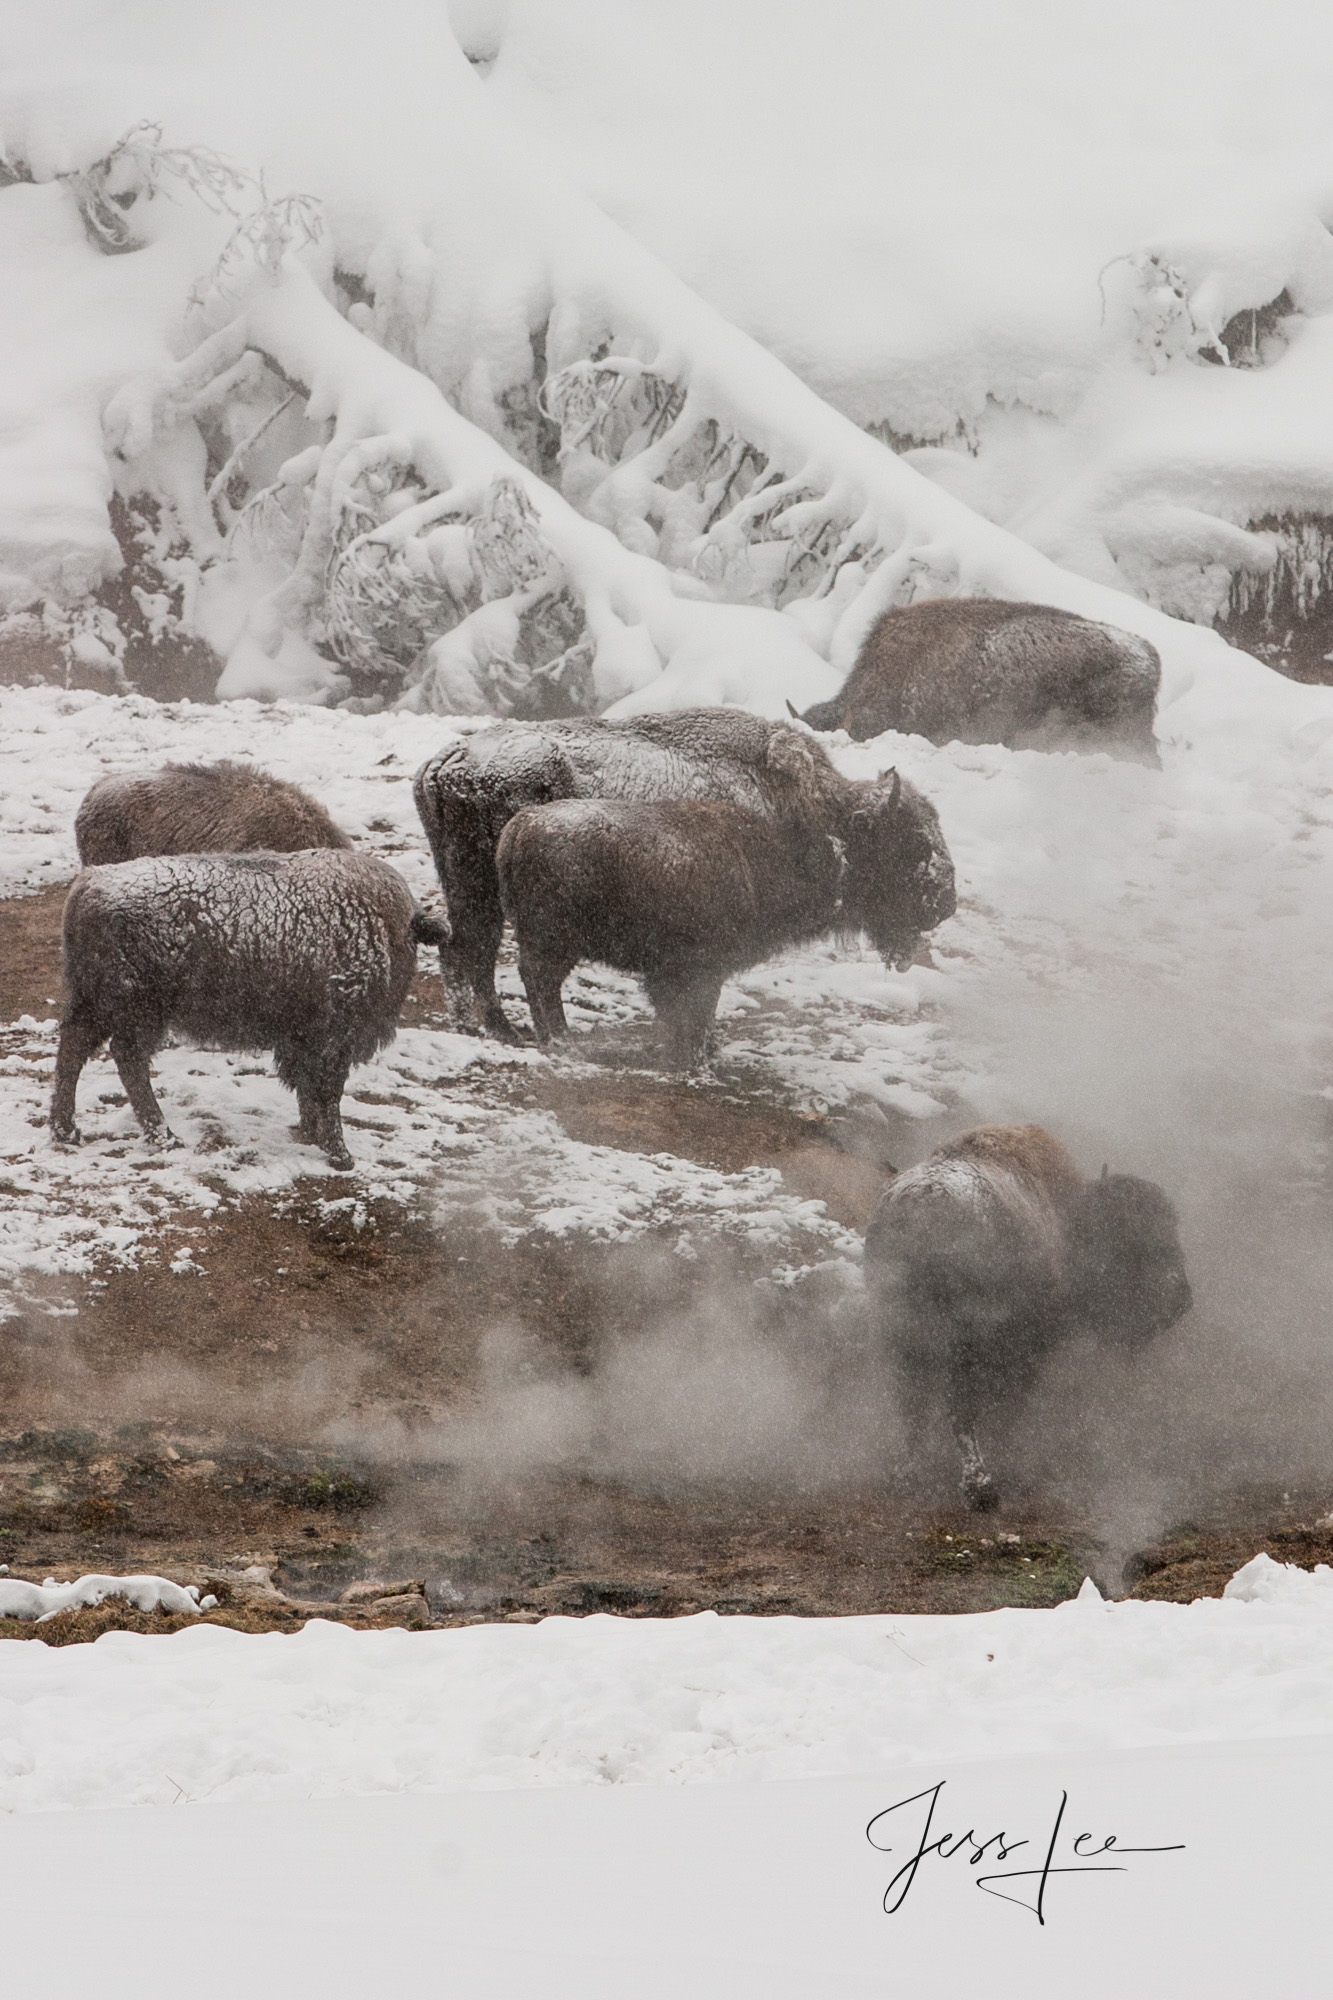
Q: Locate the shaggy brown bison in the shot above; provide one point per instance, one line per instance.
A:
(688, 892)
(467, 794)
(223, 808)
(984, 1258)
(307, 954)
(981, 670)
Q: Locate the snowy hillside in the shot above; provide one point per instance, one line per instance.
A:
(1073, 261)
(560, 476)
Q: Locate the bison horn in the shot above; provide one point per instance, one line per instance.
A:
(1106, 1170)
(793, 712)
(895, 791)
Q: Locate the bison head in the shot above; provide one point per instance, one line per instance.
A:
(899, 873)
(1130, 1277)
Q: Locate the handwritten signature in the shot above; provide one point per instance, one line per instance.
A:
(949, 1846)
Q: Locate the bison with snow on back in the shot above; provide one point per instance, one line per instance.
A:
(688, 892)
(994, 1251)
(223, 808)
(307, 954)
(982, 670)
(467, 794)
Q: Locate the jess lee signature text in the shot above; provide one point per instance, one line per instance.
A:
(899, 1829)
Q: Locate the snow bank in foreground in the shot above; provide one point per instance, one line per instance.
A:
(607, 1700)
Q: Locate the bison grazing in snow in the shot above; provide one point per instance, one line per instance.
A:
(223, 808)
(686, 893)
(307, 954)
(467, 794)
(981, 670)
(984, 1258)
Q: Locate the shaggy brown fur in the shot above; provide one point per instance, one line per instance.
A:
(983, 670)
(307, 954)
(991, 1253)
(1026, 1150)
(900, 880)
(223, 808)
(685, 894)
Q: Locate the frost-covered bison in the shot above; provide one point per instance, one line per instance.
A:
(688, 892)
(307, 954)
(991, 1253)
(467, 794)
(223, 808)
(981, 670)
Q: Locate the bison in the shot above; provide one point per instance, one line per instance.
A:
(684, 893)
(467, 794)
(223, 808)
(982, 670)
(994, 1251)
(307, 954)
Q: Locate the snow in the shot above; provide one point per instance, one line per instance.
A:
(42, 1601)
(960, 251)
(742, 1892)
(331, 1713)
(683, 1806)
(1077, 874)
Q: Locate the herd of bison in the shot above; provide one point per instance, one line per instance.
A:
(224, 904)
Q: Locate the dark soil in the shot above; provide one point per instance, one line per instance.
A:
(283, 1408)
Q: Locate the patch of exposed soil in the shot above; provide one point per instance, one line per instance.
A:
(30, 954)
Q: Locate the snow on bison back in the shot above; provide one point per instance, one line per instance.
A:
(222, 808)
(994, 1251)
(307, 954)
(983, 670)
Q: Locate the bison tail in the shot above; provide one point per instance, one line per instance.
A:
(824, 715)
(430, 930)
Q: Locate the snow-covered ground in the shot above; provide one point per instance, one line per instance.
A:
(601, 1700)
(684, 1806)
(1138, 960)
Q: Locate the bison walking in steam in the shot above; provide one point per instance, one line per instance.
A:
(307, 954)
(982, 670)
(223, 808)
(467, 794)
(688, 892)
(988, 1255)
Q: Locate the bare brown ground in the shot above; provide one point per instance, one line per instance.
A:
(278, 1411)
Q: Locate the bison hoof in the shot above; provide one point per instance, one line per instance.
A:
(981, 1494)
(341, 1161)
(162, 1139)
(500, 1030)
(66, 1137)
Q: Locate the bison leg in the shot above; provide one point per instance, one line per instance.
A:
(685, 1007)
(319, 1082)
(467, 965)
(979, 1489)
(132, 1062)
(80, 1038)
(542, 980)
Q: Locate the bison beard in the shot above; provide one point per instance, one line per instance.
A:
(982, 670)
(222, 808)
(899, 876)
(991, 1253)
(307, 954)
